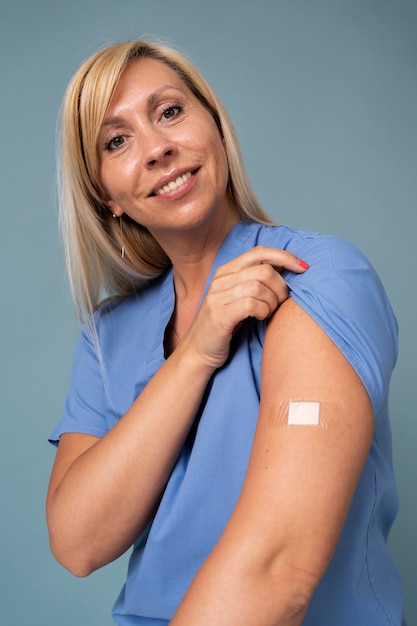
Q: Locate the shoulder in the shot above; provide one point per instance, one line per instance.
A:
(327, 250)
(335, 263)
(122, 308)
(125, 325)
(343, 293)
(320, 250)
(138, 308)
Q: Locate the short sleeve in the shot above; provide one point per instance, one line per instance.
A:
(343, 293)
(87, 409)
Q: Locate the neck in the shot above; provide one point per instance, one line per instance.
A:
(192, 253)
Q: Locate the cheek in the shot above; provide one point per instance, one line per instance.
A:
(114, 178)
(221, 161)
(207, 136)
(104, 177)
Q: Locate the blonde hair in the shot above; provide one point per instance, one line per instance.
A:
(92, 238)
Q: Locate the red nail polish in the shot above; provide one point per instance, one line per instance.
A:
(303, 264)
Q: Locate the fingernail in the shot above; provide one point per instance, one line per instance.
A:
(303, 264)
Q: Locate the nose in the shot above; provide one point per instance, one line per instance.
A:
(157, 148)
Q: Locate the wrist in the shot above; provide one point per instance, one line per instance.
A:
(198, 366)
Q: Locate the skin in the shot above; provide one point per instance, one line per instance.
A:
(300, 479)
(158, 132)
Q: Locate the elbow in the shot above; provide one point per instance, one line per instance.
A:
(68, 547)
(76, 561)
(79, 570)
(297, 585)
(289, 595)
(296, 599)
(79, 567)
(291, 586)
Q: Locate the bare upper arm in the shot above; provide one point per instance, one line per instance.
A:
(301, 478)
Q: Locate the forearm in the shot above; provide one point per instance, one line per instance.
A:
(109, 493)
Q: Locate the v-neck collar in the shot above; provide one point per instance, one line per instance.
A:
(230, 248)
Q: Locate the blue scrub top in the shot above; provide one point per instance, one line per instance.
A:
(342, 292)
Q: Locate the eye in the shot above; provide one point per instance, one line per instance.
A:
(114, 142)
(171, 111)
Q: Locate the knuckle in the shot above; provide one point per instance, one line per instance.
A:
(247, 306)
(260, 249)
(268, 271)
(254, 308)
(254, 288)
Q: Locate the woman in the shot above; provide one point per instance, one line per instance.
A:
(228, 407)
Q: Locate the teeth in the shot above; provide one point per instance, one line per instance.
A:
(173, 184)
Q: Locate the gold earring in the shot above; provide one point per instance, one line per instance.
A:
(122, 251)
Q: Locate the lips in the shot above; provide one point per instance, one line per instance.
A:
(171, 182)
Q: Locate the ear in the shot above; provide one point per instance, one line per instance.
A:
(114, 208)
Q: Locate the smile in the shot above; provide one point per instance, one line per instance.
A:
(173, 184)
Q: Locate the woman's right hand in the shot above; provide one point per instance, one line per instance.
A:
(250, 285)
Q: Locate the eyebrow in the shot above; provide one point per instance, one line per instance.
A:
(116, 120)
(153, 97)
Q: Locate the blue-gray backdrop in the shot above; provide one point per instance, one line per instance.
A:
(323, 94)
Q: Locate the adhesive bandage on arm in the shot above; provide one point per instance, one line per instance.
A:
(305, 413)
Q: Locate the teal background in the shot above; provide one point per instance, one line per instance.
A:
(323, 94)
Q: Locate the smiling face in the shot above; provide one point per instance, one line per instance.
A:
(161, 156)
